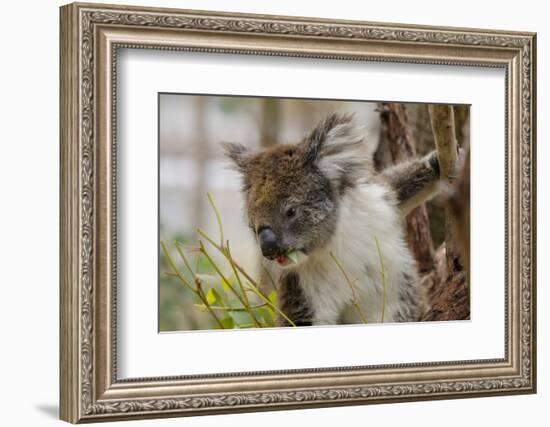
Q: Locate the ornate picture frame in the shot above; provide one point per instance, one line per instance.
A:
(90, 37)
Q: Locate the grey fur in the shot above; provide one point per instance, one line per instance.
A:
(412, 305)
(320, 144)
(239, 154)
(293, 302)
(413, 182)
(316, 140)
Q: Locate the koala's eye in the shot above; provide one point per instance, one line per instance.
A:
(290, 212)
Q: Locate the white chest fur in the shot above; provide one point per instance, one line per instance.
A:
(367, 216)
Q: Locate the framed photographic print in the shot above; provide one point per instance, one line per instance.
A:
(266, 212)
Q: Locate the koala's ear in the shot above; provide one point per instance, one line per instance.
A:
(239, 155)
(338, 147)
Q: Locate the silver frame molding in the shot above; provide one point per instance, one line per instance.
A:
(90, 37)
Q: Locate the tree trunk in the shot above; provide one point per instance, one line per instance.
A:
(447, 289)
(459, 201)
(448, 286)
(448, 295)
(459, 205)
(397, 145)
(443, 126)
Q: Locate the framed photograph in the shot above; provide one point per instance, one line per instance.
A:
(267, 212)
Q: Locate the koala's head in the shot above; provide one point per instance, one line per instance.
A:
(293, 192)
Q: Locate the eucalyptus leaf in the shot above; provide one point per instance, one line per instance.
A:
(228, 323)
(227, 283)
(272, 297)
(212, 296)
(266, 315)
(293, 255)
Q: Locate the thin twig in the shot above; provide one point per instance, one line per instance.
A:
(232, 309)
(197, 263)
(245, 296)
(383, 275)
(353, 292)
(184, 259)
(218, 217)
(270, 277)
(221, 249)
(197, 291)
(174, 268)
(217, 269)
(254, 287)
(270, 304)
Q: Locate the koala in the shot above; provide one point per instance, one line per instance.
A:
(321, 199)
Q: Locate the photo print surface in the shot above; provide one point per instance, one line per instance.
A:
(279, 212)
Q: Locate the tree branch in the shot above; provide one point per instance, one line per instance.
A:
(443, 127)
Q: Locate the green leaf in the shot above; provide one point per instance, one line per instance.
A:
(266, 315)
(226, 284)
(212, 296)
(227, 323)
(293, 255)
(272, 297)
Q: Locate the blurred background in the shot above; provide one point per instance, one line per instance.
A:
(192, 164)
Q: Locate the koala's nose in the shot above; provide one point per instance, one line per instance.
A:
(268, 242)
